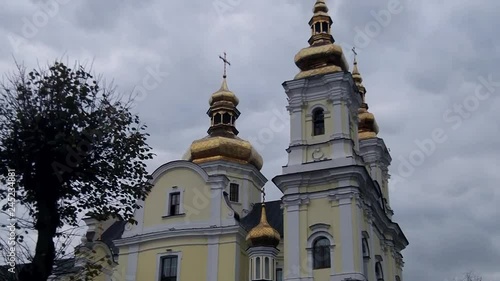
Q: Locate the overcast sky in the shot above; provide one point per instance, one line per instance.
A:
(426, 66)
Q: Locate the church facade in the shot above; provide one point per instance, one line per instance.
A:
(205, 218)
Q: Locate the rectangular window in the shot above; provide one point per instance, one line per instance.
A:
(279, 274)
(175, 203)
(234, 192)
(168, 268)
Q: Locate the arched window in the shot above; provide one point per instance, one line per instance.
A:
(366, 249)
(226, 118)
(325, 27)
(217, 119)
(321, 253)
(366, 256)
(317, 27)
(379, 272)
(318, 122)
(266, 268)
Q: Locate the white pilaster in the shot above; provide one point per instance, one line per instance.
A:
(296, 126)
(292, 252)
(346, 235)
(133, 252)
(213, 258)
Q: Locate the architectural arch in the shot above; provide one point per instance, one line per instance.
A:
(365, 248)
(316, 107)
(318, 242)
(178, 164)
(318, 120)
(379, 271)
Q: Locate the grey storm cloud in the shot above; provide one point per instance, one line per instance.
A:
(422, 63)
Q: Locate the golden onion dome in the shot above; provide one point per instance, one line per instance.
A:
(320, 7)
(322, 56)
(263, 235)
(222, 142)
(224, 95)
(367, 125)
(214, 148)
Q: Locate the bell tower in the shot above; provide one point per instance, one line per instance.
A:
(336, 224)
(323, 103)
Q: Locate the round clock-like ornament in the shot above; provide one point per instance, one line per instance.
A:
(318, 154)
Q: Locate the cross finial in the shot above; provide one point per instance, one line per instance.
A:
(263, 190)
(226, 63)
(355, 55)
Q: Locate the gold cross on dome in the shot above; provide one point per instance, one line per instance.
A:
(226, 63)
(263, 190)
(354, 51)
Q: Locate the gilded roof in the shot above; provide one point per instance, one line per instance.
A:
(222, 142)
(263, 234)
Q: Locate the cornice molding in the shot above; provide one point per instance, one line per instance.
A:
(189, 232)
(189, 165)
(221, 167)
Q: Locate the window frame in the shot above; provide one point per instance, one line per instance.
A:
(162, 267)
(380, 269)
(231, 185)
(318, 124)
(172, 211)
(174, 189)
(159, 264)
(326, 259)
(279, 270)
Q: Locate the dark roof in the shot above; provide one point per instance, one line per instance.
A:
(274, 215)
(115, 231)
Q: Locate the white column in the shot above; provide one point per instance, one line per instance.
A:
(292, 253)
(346, 235)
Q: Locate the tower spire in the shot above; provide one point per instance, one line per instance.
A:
(367, 125)
(358, 80)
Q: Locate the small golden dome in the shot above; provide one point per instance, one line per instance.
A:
(263, 234)
(367, 125)
(223, 94)
(222, 142)
(320, 7)
(322, 56)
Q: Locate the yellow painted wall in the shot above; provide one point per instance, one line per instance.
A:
(194, 255)
(121, 269)
(244, 263)
(227, 258)
(196, 198)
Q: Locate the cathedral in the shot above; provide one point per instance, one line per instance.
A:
(205, 218)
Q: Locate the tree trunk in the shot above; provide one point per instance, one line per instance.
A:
(41, 267)
(47, 221)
